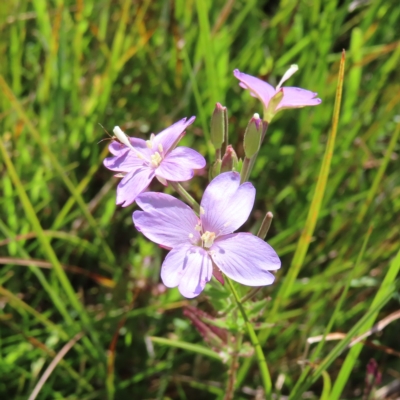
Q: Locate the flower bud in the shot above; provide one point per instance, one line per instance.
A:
(270, 111)
(229, 160)
(218, 126)
(252, 136)
(215, 170)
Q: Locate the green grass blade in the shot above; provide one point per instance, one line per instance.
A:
(335, 313)
(208, 53)
(341, 346)
(380, 299)
(46, 150)
(312, 217)
(379, 175)
(48, 250)
(194, 348)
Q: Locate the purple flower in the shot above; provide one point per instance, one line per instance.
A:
(282, 97)
(139, 161)
(200, 244)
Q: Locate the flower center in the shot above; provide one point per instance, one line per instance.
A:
(156, 159)
(208, 238)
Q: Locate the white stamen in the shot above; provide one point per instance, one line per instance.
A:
(202, 211)
(160, 148)
(191, 236)
(256, 116)
(198, 227)
(121, 136)
(293, 68)
(124, 139)
(149, 144)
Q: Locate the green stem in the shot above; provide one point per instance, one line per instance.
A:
(265, 225)
(262, 363)
(186, 196)
(245, 172)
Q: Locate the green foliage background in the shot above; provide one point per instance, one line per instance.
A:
(68, 66)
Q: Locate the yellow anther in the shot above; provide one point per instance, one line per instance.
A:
(208, 238)
(156, 159)
(160, 148)
(202, 211)
(149, 144)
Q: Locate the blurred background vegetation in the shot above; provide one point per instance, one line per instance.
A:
(71, 260)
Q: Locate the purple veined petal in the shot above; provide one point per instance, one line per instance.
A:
(166, 220)
(189, 268)
(257, 87)
(117, 148)
(245, 258)
(294, 97)
(133, 184)
(125, 162)
(168, 137)
(226, 203)
(178, 165)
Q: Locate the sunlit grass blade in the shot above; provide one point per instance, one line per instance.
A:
(379, 175)
(48, 250)
(327, 386)
(341, 346)
(208, 53)
(338, 307)
(380, 297)
(316, 203)
(58, 167)
(312, 217)
(194, 348)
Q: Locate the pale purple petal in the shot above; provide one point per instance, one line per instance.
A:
(166, 220)
(258, 88)
(226, 204)
(294, 97)
(133, 184)
(245, 258)
(170, 136)
(178, 165)
(187, 267)
(125, 162)
(117, 148)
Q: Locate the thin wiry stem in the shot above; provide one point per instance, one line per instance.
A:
(262, 363)
(53, 365)
(186, 196)
(231, 383)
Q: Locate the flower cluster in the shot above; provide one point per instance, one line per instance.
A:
(201, 237)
